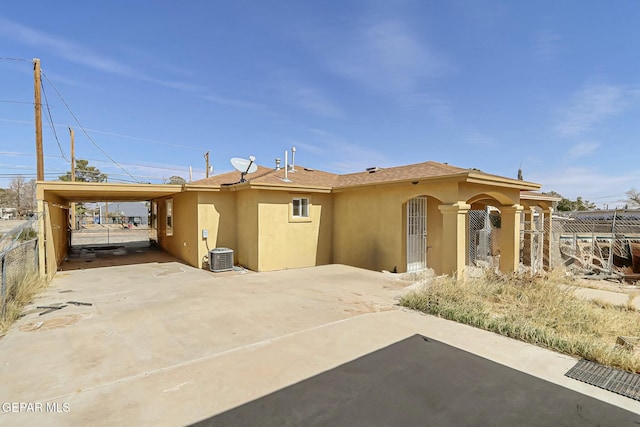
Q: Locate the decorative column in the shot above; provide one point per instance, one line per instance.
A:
(510, 238)
(454, 238)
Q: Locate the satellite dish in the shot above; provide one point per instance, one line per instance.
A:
(244, 166)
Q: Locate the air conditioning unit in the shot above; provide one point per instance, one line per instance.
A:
(221, 259)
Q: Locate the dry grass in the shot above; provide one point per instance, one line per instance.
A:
(535, 310)
(18, 296)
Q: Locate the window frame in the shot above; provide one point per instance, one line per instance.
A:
(303, 203)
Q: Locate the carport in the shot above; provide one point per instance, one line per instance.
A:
(53, 202)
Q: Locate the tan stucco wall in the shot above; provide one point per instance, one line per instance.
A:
(370, 226)
(56, 230)
(286, 242)
(247, 229)
(434, 235)
(370, 223)
(217, 215)
(363, 227)
(185, 240)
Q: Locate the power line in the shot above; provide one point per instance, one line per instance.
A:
(9, 101)
(50, 119)
(16, 59)
(119, 135)
(83, 129)
(9, 153)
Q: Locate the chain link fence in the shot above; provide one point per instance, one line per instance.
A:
(480, 238)
(598, 243)
(484, 234)
(18, 260)
(532, 238)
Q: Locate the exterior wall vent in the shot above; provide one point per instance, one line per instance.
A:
(221, 259)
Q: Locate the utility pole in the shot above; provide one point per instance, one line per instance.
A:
(38, 111)
(73, 178)
(206, 157)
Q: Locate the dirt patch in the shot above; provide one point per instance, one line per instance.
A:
(57, 322)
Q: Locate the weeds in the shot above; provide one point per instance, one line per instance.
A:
(19, 295)
(536, 310)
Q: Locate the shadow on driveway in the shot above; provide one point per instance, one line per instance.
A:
(420, 381)
(117, 254)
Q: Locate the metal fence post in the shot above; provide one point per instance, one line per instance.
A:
(4, 287)
(36, 260)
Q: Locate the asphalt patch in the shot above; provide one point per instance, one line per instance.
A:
(420, 381)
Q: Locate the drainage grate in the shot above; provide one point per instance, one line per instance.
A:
(615, 380)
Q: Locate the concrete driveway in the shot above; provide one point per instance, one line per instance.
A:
(167, 344)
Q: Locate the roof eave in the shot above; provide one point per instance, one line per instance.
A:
(476, 178)
(288, 187)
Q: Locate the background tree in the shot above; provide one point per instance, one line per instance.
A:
(29, 197)
(85, 173)
(4, 198)
(21, 194)
(633, 198)
(566, 205)
(177, 180)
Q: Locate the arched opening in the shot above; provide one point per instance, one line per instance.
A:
(484, 231)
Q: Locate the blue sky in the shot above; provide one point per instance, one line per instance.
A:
(549, 86)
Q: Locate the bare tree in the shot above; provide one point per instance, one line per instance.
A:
(30, 195)
(17, 192)
(633, 197)
(21, 194)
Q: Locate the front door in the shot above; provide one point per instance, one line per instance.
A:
(417, 234)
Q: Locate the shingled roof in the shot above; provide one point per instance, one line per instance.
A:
(301, 176)
(399, 173)
(304, 177)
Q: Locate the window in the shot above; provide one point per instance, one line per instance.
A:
(170, 217)
(301, 208)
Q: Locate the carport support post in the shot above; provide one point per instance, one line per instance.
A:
(454, 238)
(41, 237)
(510, 238)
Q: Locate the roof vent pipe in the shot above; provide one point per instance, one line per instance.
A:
(277, 163)
(293, 159)
(286, 164)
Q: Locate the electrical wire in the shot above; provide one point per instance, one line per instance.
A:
(8, 101)
(119, 135)
(50, 119)
(10, 154)
(83, 129)
(16, 59)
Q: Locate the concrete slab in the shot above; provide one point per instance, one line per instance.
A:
(167, 344)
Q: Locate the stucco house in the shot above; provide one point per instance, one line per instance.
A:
(404, 218)
(401, 218)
